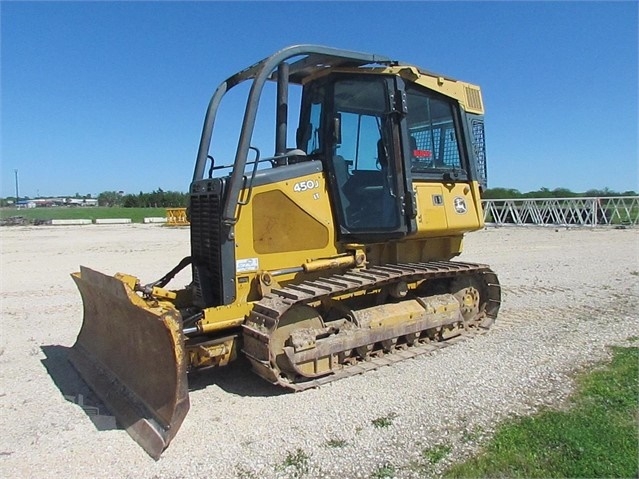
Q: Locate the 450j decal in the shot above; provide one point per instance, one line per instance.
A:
(301, 186)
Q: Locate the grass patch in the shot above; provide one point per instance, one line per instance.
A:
(384, 421)
(384, 472)
(298, 460)
(335, 443)
(137, 215)
(596, 437)
(436, 453)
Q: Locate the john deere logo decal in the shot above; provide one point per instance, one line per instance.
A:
(460, 205)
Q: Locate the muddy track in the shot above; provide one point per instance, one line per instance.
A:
(267, 313)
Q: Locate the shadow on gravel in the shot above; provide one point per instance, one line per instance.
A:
(74, 389)
(236, 378)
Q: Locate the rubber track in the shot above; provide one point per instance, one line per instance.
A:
(266, 312)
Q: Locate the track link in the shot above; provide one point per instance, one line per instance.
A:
(266, 314)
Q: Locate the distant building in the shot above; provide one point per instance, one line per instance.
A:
(81, 202)
(49, 202)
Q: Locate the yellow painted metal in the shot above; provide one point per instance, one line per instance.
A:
(299, 231)
(176, 217)
(283, 225)
(329, 263)
(447, 209)
(296, 320)
(213, 321)
(162, 293)
(130, 281)
(218, 352)
(392, 314)
(413, 251)
(468, 95)
(407, 312)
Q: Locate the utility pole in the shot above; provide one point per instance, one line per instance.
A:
(17, 194)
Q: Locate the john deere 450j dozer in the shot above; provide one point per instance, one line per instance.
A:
(329, 258)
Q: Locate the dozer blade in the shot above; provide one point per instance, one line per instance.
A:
(132, 356)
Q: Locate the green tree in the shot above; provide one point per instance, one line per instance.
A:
(501, 193)
(131, 201)
(109, 198)
(563, 193)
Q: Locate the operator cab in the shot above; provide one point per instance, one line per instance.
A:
(375, 135)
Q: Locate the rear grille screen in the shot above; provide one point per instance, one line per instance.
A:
(479, 148)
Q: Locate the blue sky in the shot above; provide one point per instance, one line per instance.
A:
(111, 96)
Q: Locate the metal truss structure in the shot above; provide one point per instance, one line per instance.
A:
(620, 210)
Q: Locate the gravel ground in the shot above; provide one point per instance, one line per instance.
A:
(567, 295)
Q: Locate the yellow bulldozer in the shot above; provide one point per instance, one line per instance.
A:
(330, 258)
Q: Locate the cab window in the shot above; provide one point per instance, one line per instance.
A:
(433, 135)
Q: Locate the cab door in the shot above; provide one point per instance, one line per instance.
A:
(363, 155)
